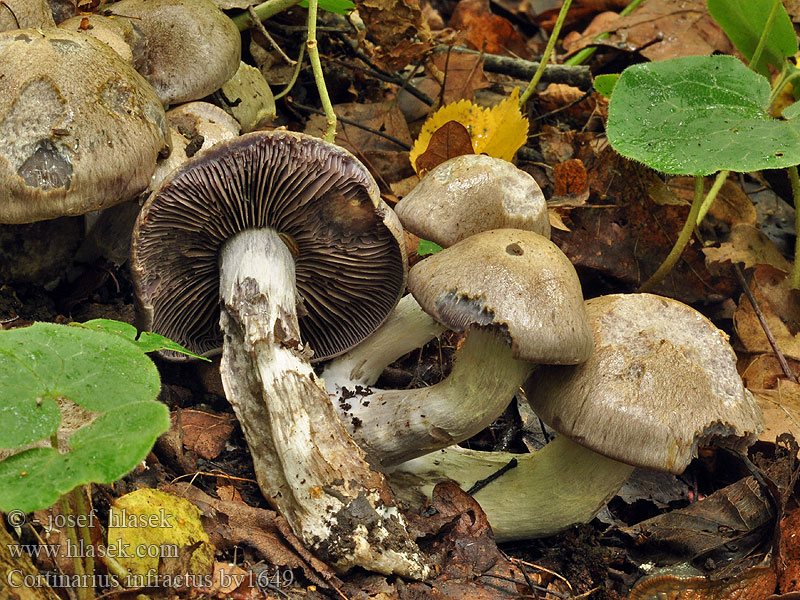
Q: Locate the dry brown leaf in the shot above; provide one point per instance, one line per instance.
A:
(781, 307)
(747, 244)
(731, 206)
(396, 32)
(571, 185)
(379, 116)
(762, 371)
(486, 31)
(781, 408)
(463, 74)
(555, 220)
(662, 30)
(450, 140)
(205, 433)
(789, 578)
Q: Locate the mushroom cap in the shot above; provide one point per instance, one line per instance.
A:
(82, 129)
(472, 193)
(25, 14)
(514, 280)
(661, 382)
(192, 46)
(350, 262)
(124, 37)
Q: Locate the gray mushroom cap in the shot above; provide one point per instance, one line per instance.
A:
(472, 193)
(81, 129)
(514, 280)
(350, 263)
(661, 382)
(192, 46)
(25, 14)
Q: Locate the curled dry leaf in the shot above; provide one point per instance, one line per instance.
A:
(483, 30)
(450, 140)
(749, 245)
(396, 32)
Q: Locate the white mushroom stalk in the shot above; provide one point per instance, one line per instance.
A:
(549, 490)
(305, 462)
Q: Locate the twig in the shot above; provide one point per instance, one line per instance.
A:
(260, 26)
(298, 65)
(316, 68)
(577, 76)
(532, 586)
(317, 111)
(548, 51)
(265, 10)
(482, 483)
(764, 325)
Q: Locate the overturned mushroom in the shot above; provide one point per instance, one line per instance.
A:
(279, 225)
(519, 300)
(661, 383)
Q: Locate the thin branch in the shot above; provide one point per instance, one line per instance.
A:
(260, 26)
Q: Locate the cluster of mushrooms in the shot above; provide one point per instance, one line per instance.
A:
(276, 249)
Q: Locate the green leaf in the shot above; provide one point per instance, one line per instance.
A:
(145, 341)
(105, 387)
(743, 22)
(604, 84)
(340, 7)
(425, 248)
(697, 115)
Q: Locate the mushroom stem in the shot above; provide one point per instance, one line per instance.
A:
(306, 464)
(397, 425)
(549, 490)
(407, 328)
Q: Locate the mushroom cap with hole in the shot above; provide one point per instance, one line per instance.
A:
(81, 129)
(192, 46)
(661, 382)
(472, 193)
(350, 262)
(25, 14)
(516, 281)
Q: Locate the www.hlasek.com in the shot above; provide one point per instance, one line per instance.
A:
(118, 549)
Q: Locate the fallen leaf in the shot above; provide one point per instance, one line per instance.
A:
(450, 140)
(483, 30)
(781, 408)
(762, 371)
(732, 205)
(749, 245)
(384, 117)
(205, 433)
(463, 74)
(506, 132)
(571, 186)
(781, 308)
(396, 33)
(789, 578)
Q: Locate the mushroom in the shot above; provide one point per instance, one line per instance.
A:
(458, 198)
(25, 14)
(661, 383)
(83, 130)
(192, 46)
(288, 234)
(519, 301)
(122, 35)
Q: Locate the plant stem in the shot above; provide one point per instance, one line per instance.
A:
(316, 67)
(762, 41)
(683, 239)
(265, 10)
(588, 52)
(84, 593)
(722, 177)
(793, 177)
(86, 536)
(562, 15)
(298, 65)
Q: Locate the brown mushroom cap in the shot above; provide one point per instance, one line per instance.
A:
(662, 381)
(514, 280)
(124, 37)
(82, 129)
(25, 14)
(350, 263)
(472, 193)
(192, 46)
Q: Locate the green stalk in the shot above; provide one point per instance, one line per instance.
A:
(548, 51)
(762, 41)
(793, 177)
(683, 239)
(588, 52)
(84, 593)
(265, 10)
(316, 68)
(722, 176)
(83, 528)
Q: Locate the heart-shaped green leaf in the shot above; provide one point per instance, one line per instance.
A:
(107, 389)
(697, 115)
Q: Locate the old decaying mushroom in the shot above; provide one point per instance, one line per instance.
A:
(192, 46)
(84, 129)
(661, 383)
(279, 225)
(459, 198)
(519, 300)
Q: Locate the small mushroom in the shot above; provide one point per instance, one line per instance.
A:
(285, 239)
(192, 46)
(519, 299)
(84, 130)
(661, 383)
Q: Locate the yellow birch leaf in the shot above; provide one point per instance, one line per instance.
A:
(470, 115)
(499, 131)
(507, 130)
